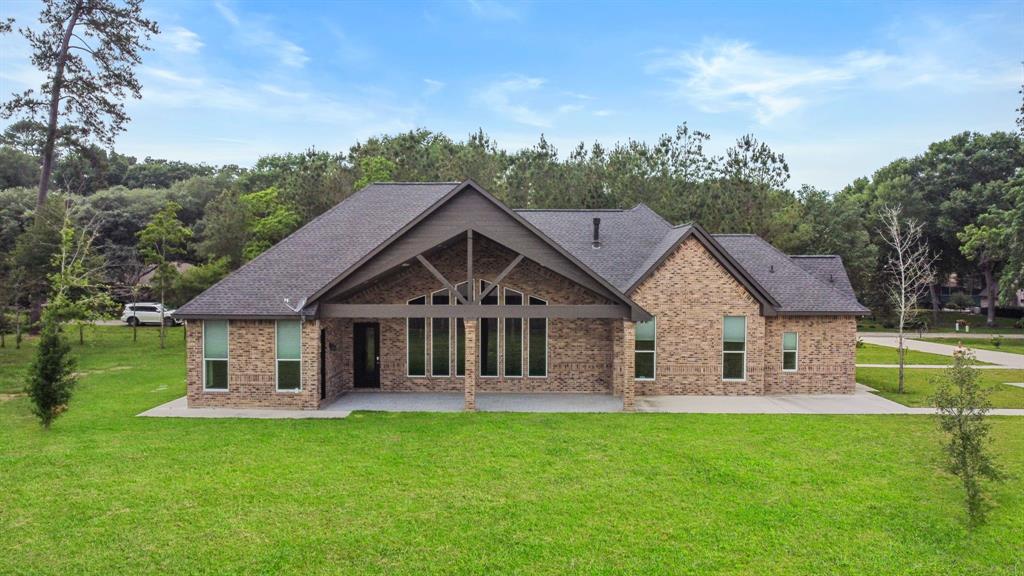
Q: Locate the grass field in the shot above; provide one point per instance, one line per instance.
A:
(946, 323)
(1007, 345)
(874, 354)
(105, 492)
(920, 385)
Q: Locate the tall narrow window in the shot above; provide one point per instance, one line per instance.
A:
(734, 348)
(460, 332)
(289, 355)
(646, 345)
(538, 352)
(215, 354)
(790, 342)
(416, 342)
(440, 337)
(489, 335)
(513, 336)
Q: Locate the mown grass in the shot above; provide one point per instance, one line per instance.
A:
(921, 383)
(947, 321)
(1012, 345)
(105, 492)
(875, 354)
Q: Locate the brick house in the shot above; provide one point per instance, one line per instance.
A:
(441, 287)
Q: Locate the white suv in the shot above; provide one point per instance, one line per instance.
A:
(147, 313)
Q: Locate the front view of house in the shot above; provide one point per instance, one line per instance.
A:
(440, 287)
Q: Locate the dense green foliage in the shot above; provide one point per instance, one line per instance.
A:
(50, 379)
(476, 493)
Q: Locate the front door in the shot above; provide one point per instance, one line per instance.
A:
(366, 354)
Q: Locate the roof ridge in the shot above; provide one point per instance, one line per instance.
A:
(569, 210)
(814, 256)
(410, 183)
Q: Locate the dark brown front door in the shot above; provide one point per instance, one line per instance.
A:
(366, 354)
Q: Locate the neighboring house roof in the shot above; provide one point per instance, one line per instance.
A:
(797, 290)
(633, 243)
(146, 278)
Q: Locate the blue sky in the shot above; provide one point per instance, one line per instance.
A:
(840, 89)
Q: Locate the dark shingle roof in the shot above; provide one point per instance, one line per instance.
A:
(318, 252)
(796, 289)
(632, 243)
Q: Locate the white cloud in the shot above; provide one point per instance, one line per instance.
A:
(255, 33)
(492, 10)
(602, 113)
(180, 39)
(432, 86)
(498, 96)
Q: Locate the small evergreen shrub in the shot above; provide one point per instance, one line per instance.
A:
(51, 374)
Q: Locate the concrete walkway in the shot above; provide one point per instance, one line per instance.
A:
(1000, 359)
(913, 334)
(179, 409)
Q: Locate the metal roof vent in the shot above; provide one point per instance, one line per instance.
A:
(597, 233)
(831, 279)
(771, 268)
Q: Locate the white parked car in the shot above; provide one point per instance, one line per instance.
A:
(147, 313)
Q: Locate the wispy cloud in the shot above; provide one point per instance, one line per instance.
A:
(492, 10)
(432, 86)
(257, 34)
(499, 96)
(180, 39)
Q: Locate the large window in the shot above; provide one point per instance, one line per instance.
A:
(416, 342)
(513, 336)
(289, 355)
(460, 331)
(489, 335)
(646, 353)
(734, 348)
(215, 354)
(440, 337)
(790, 344)
(538, 353)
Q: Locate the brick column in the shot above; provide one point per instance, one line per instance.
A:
(469, 380)
(628, 366)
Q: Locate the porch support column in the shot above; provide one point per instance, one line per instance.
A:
(469, 380)
(623, 364)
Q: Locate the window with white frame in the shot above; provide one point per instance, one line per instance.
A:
(416, 342)
(215, 354)
(489, 334)
(289, 355)
(513, 336)
(538, 343)
(440, 337)
(645, 357)
(734, 348)
(460, 331)
(790, 346)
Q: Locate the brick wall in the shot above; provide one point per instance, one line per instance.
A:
(826, 355)
(252, 368)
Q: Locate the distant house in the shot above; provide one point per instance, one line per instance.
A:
(146, 279)
(441, 287)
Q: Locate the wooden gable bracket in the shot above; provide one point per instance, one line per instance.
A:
(491, 285)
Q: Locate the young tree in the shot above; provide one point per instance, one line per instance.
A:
(910, 269)
(51, 375)
(87, 49)
(163, 238)
(962, 405)
(77, 293)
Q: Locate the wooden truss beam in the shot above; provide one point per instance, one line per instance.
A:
(473, 311)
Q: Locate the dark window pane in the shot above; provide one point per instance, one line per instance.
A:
(492, 298)
(645, 346)
(513, 298)
(513, 346)
(488, 346)
(538, 346)
(644, 365)
(440, 345)
(789, 360)
(217, 374)
(288, 375)
(732, 366)
(439, 298)
(735, 346)
(460, 347)
(417, 331)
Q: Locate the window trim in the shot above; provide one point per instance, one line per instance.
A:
(277, 362)
(431, 371)
(499, 357)
(795, 351)
(547, 350)
(654, 352)
(522, 335)
(227, 358)
(425, 342)
(455, 302)
(744, 352)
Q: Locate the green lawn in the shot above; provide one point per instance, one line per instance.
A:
(1015, 346)
(920, 385)
(874, 354)
(945, 324)
(104, 492)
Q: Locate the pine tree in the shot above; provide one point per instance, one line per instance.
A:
(50, 377)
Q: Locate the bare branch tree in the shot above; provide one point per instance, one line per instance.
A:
(910, 268)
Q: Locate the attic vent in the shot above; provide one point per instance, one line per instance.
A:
(597, 233)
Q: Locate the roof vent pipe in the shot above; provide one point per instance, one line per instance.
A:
(597, 233)
(771, 268)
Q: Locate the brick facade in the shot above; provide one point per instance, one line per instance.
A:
(689, 295)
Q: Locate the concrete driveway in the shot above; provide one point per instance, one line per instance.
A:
(1001, 359)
